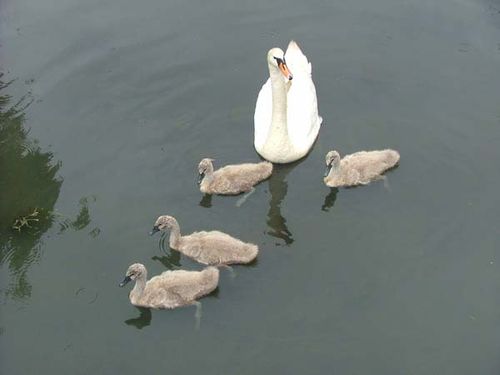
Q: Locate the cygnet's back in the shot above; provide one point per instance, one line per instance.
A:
(215, 248)
(359, 168)
(188, 285)
(232, 179)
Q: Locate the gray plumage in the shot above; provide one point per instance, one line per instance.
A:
(232, 179)
(359, 168)
(212, 248)
(170, 289)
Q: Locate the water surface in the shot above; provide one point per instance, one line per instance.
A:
(117, 103)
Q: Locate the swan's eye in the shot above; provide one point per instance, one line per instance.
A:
(278, 60)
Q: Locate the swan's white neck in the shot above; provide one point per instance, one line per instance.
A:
(277, 138)
(278, 118)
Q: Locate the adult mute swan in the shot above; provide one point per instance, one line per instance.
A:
(286, 114)
(359, 168)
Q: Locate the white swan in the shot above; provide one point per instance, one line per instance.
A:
(286, 114)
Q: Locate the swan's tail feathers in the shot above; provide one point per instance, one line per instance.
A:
(296, 60)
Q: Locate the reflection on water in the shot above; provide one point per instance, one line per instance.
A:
(28, 184)
(206, 201)
(143, 320)
(171, 261)
(330, 200)
(172, 258)
(30, 189)
(82, 219)
(278, 188)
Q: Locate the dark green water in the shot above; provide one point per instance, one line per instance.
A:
(119, 100)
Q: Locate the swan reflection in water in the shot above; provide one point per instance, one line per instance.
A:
(278, 188)
(330, 200)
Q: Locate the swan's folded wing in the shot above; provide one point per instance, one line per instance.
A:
(302, 114)
(303, 121)
(297, 61)
(262, 115)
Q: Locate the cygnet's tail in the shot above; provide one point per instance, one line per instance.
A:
(266, 169)
(210, 280)
(249, 253)
(392, 158)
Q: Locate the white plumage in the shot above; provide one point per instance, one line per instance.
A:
(286, 113)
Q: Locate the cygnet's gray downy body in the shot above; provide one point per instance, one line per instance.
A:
(170, 289)
(211, 248)
(231, 179)
(359, 168)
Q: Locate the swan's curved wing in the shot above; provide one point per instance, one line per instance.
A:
(303, 121)
(297, 61)
(262, 115)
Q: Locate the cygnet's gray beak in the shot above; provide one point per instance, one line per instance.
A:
(200, 178)
(154, 230)
(125, 281)
(327, 170)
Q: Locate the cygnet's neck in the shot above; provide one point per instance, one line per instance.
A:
(140, 285)
(175, 235)
(334, 171)
(208, 177)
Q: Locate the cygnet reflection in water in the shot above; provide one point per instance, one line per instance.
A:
(330, 199)
(206, 201)
(143, 320)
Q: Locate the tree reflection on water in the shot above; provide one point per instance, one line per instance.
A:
(28, 184)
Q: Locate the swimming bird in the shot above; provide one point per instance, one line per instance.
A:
(212, 248)
(286, 116)
(170, 289)
(359, 168)
(231, 179)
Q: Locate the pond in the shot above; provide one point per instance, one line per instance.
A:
(108, 106)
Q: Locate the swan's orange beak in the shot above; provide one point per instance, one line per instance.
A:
(284, 70)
